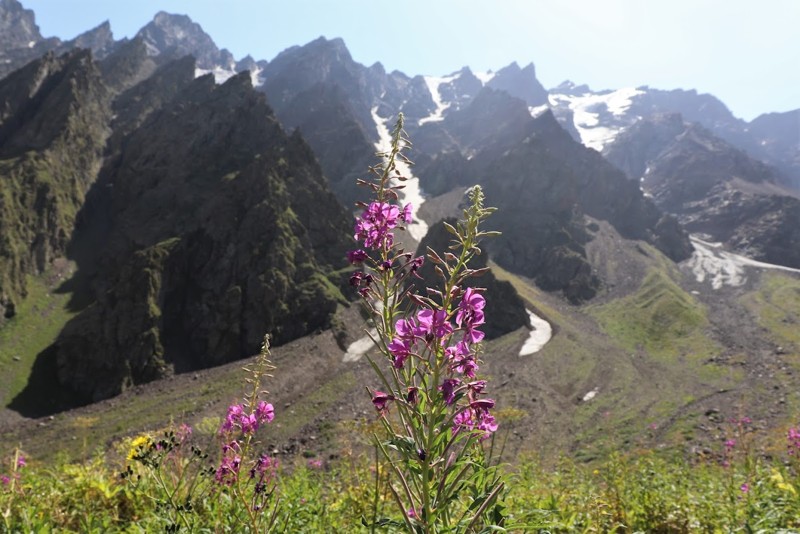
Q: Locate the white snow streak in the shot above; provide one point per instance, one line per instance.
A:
(484, 77)
(433, 84)
(535, 111)
(411, 193)
(586, 112)
(221, 75)
(359, 348)
(720, 267)
(539, 336)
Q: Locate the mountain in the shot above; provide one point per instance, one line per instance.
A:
(221, 229)
(520, 83)
(712, 187)
(597, 117)
(20, 40)
(51, 141)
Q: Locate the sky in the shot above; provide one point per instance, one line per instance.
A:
(744, 52)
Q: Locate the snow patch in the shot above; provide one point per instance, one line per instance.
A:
(586, 113)
(31, 44)
(536, 111)
(411, 193)
(539, 336)
(484, 77)
(710, 261)
(359, 348)
(221, 75)
(433, 84)
(255, 76)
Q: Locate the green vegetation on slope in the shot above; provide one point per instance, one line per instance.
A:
(39, 319)
(776, 305)
(661, 319)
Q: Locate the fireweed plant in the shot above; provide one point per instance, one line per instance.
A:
(432, 406)
(243, 479)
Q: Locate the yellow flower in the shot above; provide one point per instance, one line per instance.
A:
(138, 445)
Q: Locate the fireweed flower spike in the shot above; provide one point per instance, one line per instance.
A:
(431, 406)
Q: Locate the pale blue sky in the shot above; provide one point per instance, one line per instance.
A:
(745, 52)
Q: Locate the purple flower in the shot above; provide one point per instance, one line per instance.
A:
(411, 396)
(21, 462)
(435, 323)
(249, 423)
(400, 350)
(5, 479)
(356, 256)
(476, 387)
(381, 400)
(745, 487)
(470, 314)
(415, 264)
(448, 389)
(462, 360)
(265, 412)
(232, 419)
(730, 444)
(315, 463)
(228, 470)
(412, 514)
(374, 224)
(406, 216)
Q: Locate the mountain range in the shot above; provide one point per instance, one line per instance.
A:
(181, 203)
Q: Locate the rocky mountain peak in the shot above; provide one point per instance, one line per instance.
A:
(100, 40)
(178, 35)
(18, 27)
(520, 83)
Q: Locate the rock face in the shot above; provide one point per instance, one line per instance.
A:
(52, 130)
(712, 187)
(544, 181)
(175, 36)
(520, 83)
(221, 230)
(20, 40)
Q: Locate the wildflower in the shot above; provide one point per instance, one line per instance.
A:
(265, 412)
(315, 463)
(745, 487)
(415, 264)
(470, 309)
(411, 396)
(730, 444)
(448, 389)
(412, 514)
(406, 216)
(400, 351)
(374, 224)
(249, 423)
(356, 256)
(21, 462)
(5, 479)
(434, 322)
(381, 400)
(462, 360)
(228, 470)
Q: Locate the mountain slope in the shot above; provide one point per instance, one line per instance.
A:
(222, 230)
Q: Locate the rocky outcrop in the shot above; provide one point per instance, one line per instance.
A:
(520, 83)
(171, 37)
(52, 131)
(222, 229)
(20, 40)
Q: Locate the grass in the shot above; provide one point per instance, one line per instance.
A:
(776, 304)
(643, 491)
(39, 319)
